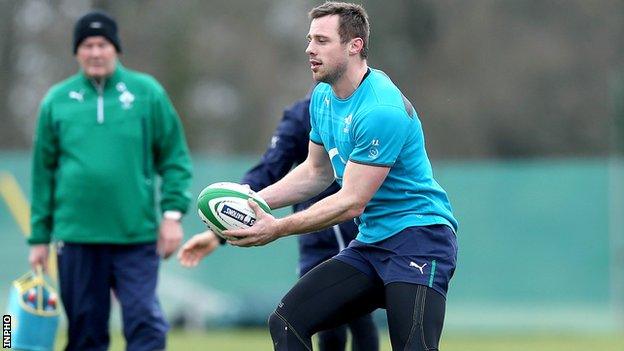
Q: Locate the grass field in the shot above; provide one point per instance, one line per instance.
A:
(259, 340)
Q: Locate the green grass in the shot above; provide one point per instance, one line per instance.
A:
(259, 340)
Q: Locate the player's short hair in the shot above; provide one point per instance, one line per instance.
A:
(353, 21)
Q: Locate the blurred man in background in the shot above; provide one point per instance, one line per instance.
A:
(102, 138)
(289, 147)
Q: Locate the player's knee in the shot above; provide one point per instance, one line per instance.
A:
(284, 336)
(274, 321)
(277, 325)
(278, 329)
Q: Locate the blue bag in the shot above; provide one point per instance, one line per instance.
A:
(34, 309)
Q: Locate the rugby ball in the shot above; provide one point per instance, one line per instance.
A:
(223, 206)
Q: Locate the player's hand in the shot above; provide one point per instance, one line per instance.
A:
(39, 256)
(197, 247)
(169, 238)
(261, 233)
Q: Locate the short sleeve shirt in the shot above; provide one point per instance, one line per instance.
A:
(378, 126)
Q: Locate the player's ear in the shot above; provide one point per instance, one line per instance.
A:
(355, 46)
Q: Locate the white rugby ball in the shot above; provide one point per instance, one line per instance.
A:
(223, 206)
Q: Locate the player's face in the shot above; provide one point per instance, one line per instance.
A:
(97, 57)
(328, 56)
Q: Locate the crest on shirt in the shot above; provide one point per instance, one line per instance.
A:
(125, 97)
(347, 123)
(373, 151)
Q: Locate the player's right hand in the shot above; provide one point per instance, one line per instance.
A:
(199, 246)
(39, 256)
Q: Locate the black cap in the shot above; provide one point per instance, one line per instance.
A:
(93, 24)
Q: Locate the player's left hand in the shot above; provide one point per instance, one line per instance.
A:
(169, 238)
(261, 233)
(198, 247)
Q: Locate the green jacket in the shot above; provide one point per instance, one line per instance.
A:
(97, 152)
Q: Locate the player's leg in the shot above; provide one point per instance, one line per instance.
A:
(334, 339)
(328, 296)
(314, 249)
(416, 265)
(85, 291)
(415, 316)
(363, 331)
(364, 334)
(135, 280)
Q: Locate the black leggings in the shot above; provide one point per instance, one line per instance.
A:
(363, 331)
(334, 293)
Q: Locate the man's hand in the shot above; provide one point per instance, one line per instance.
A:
(39, 256)
(261, 233)
(169, 238)
(199, 246)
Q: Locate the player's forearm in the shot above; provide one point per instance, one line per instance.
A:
(331, 210)
(300, 184)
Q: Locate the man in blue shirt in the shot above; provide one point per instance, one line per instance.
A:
(367, 136)
(289, 147)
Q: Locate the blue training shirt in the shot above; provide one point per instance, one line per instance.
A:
(378, 126)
